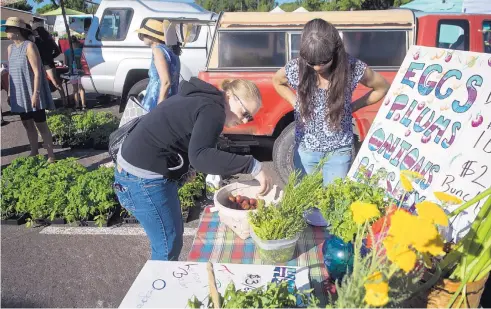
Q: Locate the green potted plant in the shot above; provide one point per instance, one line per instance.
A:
(91, 201)
(189, 192)
(16, 179)
(335, 199)
(276, 228)
(274, 295)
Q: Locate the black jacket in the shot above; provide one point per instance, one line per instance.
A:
(188, 123)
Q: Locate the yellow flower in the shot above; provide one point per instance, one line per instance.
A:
(406, 183)
(432, 212)
(377, 294)
(364, 211)
(375, 277)
(447, 198)
(424, 235)
(401, 227)
(412, 174)
(399, 254)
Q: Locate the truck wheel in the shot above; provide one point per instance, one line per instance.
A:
(137, 90)
(283, 152)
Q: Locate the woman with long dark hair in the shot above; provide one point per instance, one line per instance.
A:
(48, 50)
(325, 77)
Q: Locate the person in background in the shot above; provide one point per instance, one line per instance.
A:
(165, 66)
(181, 131)
(4, 86)
(48, 50)
(76, 79)
(325, 77)
(29, 93)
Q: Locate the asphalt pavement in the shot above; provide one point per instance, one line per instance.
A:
(72, 267)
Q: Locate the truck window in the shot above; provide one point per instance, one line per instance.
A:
(251, 49)
(486, 35)
(295, 45)
(377, 48)
(453, 34)
(114, 24)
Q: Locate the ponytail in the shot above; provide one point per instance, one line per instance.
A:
(242, 88)
(176, 49)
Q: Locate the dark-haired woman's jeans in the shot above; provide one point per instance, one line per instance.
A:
(155, 203)
(337, 162)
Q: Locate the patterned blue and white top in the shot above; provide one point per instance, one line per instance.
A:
(316, 133)
(153, 88)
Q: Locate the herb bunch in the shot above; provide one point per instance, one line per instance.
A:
(335, 199)
(285, 220)
(274, 295)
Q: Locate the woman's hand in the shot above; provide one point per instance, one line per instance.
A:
(379, 85)
(280, 83)
(35, 101)
(265, 181)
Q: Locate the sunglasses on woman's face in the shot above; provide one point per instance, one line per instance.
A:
(320, 63)
(245, 114)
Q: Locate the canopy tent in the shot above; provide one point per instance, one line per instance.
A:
(448, 6)
(277, 10)
(300, 10)
(477, 6)
(59, 12)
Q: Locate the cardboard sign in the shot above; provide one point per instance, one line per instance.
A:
(436, 120)
(162, 284)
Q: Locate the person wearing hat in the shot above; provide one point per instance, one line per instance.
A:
(165, 67)
(49, 50)
(29, 93)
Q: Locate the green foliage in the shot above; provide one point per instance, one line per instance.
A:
(274, 295)
(92, 196)
(342, 5)
(237, 6)
(79, 129)
(16, 179)
(334, 202)
(45, 196)
(190, 190)
(285, 220)
(63, 189)
(21, 5)
(46, 8)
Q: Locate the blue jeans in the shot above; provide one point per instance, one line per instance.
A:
(337, 164)
(155, 203)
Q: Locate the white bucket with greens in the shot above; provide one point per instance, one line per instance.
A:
(275, 251)
(237, 220)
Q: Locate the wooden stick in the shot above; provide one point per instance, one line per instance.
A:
(215, 297)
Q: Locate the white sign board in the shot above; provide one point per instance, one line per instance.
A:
(436, 120)
(162, 284)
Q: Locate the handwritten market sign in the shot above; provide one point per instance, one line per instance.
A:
(436, 120)
(163, 284)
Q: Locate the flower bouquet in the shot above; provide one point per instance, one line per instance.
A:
(391, 272)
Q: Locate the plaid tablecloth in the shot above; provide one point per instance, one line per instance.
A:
(216, 243)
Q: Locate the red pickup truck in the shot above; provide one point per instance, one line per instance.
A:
(255, 45)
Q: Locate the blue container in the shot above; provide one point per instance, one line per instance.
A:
(338, 257)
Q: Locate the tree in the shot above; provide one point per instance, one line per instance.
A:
(78, 5)
(46, 8)
(22, 5)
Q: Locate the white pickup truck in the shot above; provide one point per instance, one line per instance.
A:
(116, 62)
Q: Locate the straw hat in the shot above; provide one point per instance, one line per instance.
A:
(153, 28)
(16, 22)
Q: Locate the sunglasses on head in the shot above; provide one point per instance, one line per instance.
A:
(245, 113)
